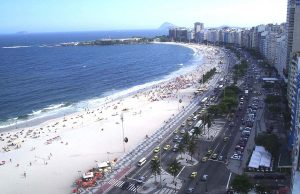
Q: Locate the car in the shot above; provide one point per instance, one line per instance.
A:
(167, 147)
(155, 158)
(220, 158)
(141, 180)
(209, 152)
(175, 147)
(190, 123)
(175, 131)
(204, 159)
(193, 175)
(125, 185)
(182, 131)
(189, 118)
(225, 139)
(214, 156)
(204, 177)
(236, 157)
(175, 138)
(156, 150)
(190, 190)
(183, 124)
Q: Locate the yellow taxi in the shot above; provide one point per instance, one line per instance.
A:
(194, 174)
(167, 147)
(156, 150)
(155, 158)
(204, 159)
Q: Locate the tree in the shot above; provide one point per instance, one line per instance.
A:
(261, 188)
(186, 138)
(198, 131)
(192, 148)
(181, 149)
(174, 168)
(241, 184)
(155, 168)
(213, 110)
(269, 141)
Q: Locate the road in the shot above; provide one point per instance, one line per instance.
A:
(217, 182)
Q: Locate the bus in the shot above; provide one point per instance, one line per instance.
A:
(199, 124)
(142, 161)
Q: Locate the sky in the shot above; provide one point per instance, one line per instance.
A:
(101, 15)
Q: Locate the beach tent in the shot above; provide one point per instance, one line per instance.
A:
(103, 165)
(260, 158)
(88, 175)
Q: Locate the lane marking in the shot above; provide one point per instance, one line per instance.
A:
(180, 171)
(228, 180)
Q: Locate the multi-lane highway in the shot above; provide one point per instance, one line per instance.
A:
(218, 175)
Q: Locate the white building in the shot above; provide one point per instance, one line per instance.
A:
(280, 56)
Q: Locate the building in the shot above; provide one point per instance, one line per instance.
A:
(293, 41)
(198, 31)
(178, 34)
(294, 138)
(198, 27)
(280, 55)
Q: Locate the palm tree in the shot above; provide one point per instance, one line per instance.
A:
(186, 138)
(197, 131)
(192, 148)
(155, 168)
(181, 149)
(174, 168)
(207, 120)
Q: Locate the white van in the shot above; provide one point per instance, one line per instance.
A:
(142, 161)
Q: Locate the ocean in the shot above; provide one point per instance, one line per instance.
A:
(40, 80)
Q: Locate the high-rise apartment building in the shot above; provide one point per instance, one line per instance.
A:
(295, 122)
(198, 27)
(293, 41)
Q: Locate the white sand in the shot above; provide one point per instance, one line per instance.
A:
(52, 168)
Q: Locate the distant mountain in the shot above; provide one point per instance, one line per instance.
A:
(166, 26)
(22, 32)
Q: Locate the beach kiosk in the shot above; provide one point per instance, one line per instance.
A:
(104, 166)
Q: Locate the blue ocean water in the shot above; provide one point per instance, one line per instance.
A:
(37, 81)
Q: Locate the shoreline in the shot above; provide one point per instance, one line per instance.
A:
(72, 108)
(81, 139)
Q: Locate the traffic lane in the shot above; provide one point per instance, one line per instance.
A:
(217, 177)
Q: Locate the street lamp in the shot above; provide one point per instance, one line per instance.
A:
(122, 119)
(160, 160)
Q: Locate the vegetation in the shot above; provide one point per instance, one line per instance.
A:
(241, 184)
(268, 85)
(272, 99)
(163, 38)
(174, 168)
(197, 131)
(274, 108)
(155, 168)
(186, 138)
(229, 101)
(208, 75)
(269, 141)
(181, 149)
(239, 70)
(262, 189)
(254, 53)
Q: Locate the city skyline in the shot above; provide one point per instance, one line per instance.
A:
(64, 16)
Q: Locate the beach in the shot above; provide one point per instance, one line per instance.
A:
(49, 157)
